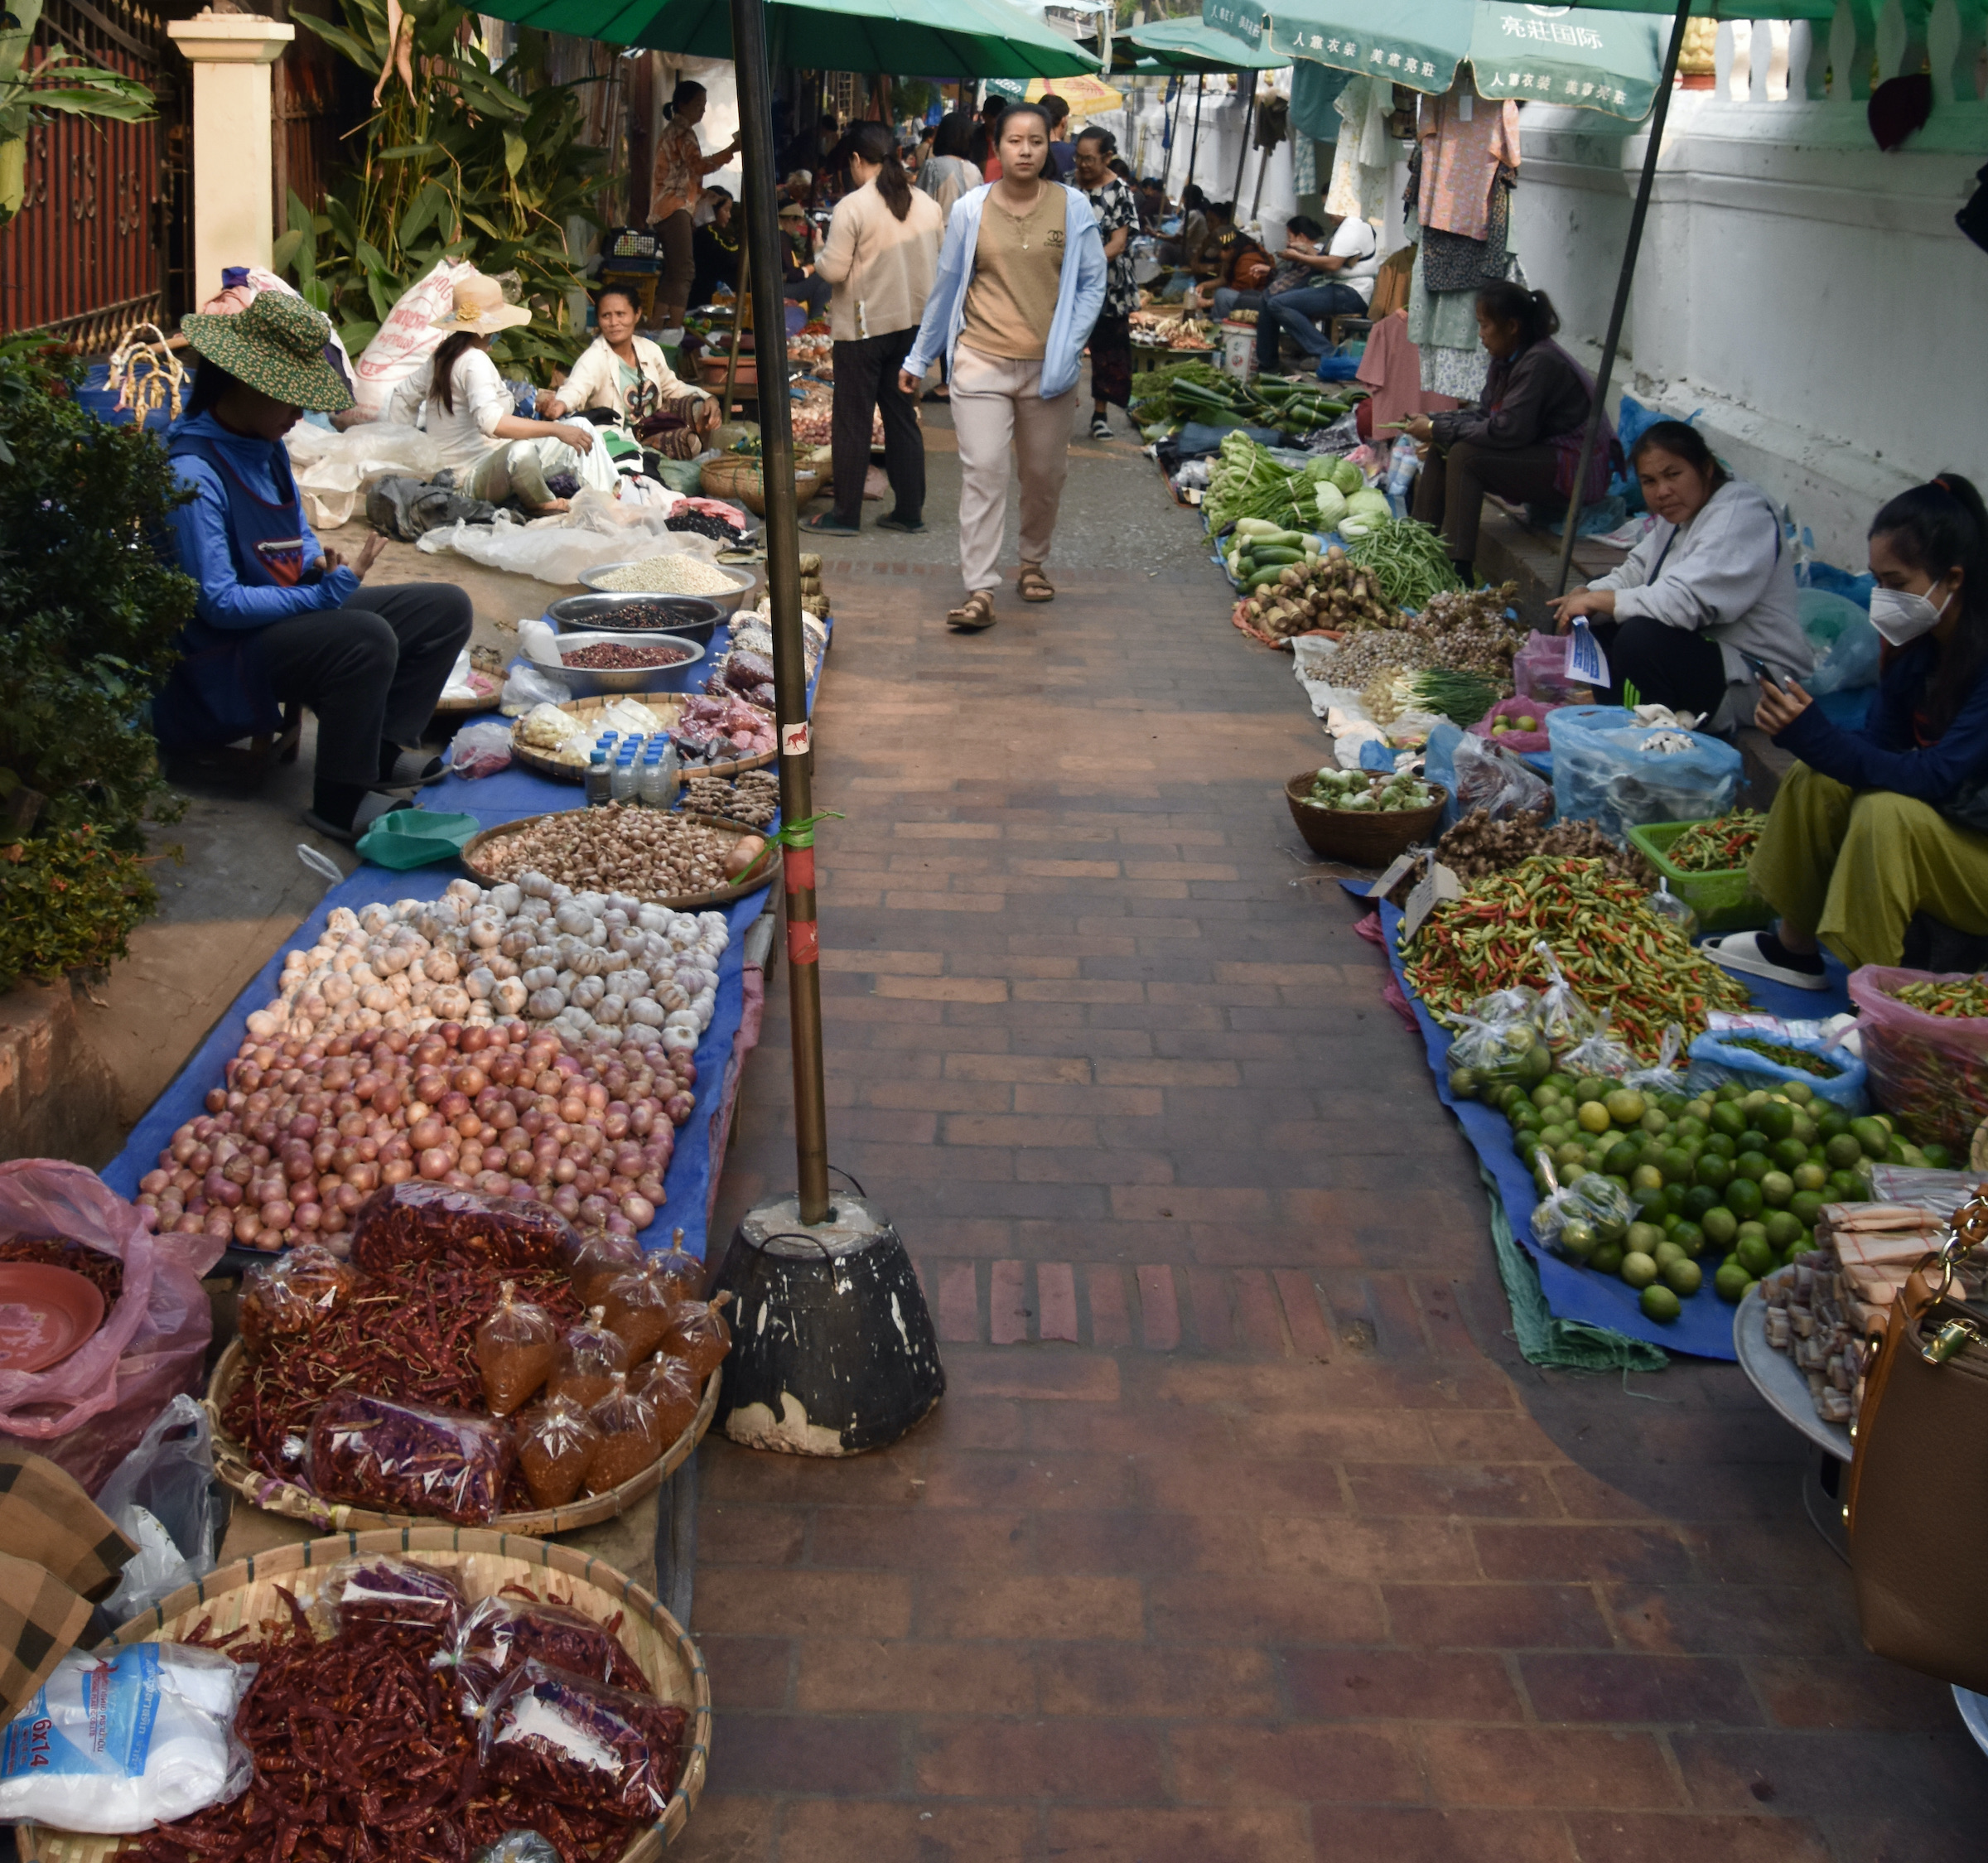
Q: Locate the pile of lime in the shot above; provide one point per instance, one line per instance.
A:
(1730, 1177)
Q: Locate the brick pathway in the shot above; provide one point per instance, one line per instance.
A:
(1243, 1536)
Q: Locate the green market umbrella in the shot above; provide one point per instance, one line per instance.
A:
(963, 38)
(1186, 47)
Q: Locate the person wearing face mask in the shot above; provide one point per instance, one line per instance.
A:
(1707, 597)
(1875, 824)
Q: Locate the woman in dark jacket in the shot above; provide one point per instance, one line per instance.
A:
(1874, 824)
(1522, 440)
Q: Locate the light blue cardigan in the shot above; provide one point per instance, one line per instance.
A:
(1079, 291)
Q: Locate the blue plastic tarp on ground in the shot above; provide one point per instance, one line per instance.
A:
(1705, 1331)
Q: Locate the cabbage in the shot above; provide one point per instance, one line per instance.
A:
(1347, 476)
(1332, 506)
(1366, 503)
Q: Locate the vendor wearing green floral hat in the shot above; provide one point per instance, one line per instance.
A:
(281, 619)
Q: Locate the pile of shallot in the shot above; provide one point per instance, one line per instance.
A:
(307, 1125)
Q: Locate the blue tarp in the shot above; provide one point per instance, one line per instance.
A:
(1706, 1327)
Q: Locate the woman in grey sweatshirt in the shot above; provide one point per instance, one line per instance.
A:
(1706, 595)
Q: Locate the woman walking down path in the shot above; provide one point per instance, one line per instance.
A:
(1021, 279)
(1117, 217)
(674, 190)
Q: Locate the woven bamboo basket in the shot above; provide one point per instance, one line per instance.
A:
(232, 1465)
(483, 1563)
(663, 704)
(761, 875)
(1360, 838)
(741, 480)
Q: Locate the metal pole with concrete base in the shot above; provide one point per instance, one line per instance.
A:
(1658, 112)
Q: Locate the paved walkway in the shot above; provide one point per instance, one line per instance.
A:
(1242, 1535)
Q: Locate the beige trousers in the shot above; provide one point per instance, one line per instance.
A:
(998, 400)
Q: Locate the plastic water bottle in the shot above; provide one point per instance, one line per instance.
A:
(599, 780)
(1403, 463)
(622, 782)
(649, 783)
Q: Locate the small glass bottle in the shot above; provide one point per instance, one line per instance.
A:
(600, 780)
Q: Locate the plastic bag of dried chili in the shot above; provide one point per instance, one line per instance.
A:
(407, 1459)
(418, 1221)
(582, 1743)
(381, 1594)
(291, 1295)
(501, 1633)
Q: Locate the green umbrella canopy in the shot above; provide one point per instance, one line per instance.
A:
(962, 38)
(1600, 61)
(1187, 46)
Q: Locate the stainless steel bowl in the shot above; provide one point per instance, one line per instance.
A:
(586, 683)
(743, 581)
(692, 617)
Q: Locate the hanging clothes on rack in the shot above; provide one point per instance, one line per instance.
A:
(1464, 140)
(1304, 165)
(1443, 326)
(1360, 161)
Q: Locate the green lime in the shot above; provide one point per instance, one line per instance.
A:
(1638, 1269)
(1644, 1238)
(1730, 1091)
(1722, 1146)
(1690, 1238)
(1660, 1304)
(1752, 1139)
(1676, 1164)
(1800, 1092)
(1607, 1258)
(1626, 1106)
(1730, 1282)
(1805, 1129)
(1463, 1083)
(1727, 1118)
(1655, 1122)
(1590, 1087)
(1844, 1186)
(1683, 1276)
(1645, 1179)
(1805, 1206)
(1809, 1177)
(1787, 1153)
(1544, 1094)
(1622, 1158)
(1830, 1120)
(1719, 1225)
(1776, 1188)
(1776, 1118)
(1756, 1164)
(1592, 1116)
(1570, 1156)
(1744, 1199)
(1688, 1127)
(1938, 1157)
(1577, 1240)
(1782, 1230)
(1748, 1229)
(1755, 1255)
(1698, 1199)
(1565, 1083)
(1666, 1253)
(1712, 1172)
(1873, 1136)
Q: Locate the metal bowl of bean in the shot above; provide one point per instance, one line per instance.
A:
(642, 617)
(595, 664)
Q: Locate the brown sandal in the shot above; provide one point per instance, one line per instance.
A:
(973, 615)
(1031, 585)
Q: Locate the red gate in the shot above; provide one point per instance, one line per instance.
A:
(99, 243)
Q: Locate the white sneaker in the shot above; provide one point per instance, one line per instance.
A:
(1740, 951)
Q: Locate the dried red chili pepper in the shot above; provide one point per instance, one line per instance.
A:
(420, 1221)
(404, 1457)
(581, 1743)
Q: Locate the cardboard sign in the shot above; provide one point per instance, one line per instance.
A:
(1392, 878)
(1437, 884)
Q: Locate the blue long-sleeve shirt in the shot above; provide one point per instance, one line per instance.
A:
(1886, 753)
(201, 532)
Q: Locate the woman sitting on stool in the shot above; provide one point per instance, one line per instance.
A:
(1875, 824)
(1536, 400)
(1706, 598)
(280, 620)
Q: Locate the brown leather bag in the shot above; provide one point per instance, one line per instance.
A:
(1918, 1508)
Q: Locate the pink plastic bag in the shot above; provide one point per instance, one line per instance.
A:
(87, 1413)
(1930, 1072)
(1540, 668)
(1524, 742)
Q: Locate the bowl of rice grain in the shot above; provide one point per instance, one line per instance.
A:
(674, 572)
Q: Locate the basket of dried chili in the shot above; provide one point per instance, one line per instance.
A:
(397, 1758)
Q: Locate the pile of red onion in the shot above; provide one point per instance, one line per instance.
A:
(290, 1147)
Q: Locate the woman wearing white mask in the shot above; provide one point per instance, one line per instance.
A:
(1875, 824)
(1703, 601)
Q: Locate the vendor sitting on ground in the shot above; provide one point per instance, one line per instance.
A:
(1706, 598)
(628, 376)
(1535, 404)
(280, 620)
(493, 452)
(1875, 824)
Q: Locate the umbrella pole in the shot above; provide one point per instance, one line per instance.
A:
(1193, 148)
(783, 577)
(1658, 112)
(1249, 111)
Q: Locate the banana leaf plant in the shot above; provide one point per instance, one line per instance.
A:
(60, 81)
(460, 159)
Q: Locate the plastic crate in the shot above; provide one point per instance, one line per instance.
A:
(1724, 901)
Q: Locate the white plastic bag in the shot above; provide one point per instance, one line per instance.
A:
(333, 470)
(161, 1495)
(116, 1744)
(407, 338)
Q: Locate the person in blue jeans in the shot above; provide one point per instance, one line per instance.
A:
(1345, 269)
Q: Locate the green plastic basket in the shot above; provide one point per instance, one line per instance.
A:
(1724, 901)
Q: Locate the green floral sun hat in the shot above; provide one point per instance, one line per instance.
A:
(276, 344)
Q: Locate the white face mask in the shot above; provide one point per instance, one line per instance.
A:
(1899, 617)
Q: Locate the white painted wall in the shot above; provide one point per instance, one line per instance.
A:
(1809, 292)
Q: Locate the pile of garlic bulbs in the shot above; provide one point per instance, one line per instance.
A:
(584, 965)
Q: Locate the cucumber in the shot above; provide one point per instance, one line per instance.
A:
(1268, 556)
(1264, 577)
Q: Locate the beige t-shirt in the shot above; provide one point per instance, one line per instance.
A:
(1017, 266)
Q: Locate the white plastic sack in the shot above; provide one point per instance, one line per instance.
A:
(118, 1744)
(333, 470)
(407, 338)
(561, 550)
(162, 1496)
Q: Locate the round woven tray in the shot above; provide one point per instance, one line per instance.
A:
(741, 480)
(761, 875)
(232, 1465)
(464, 707)
(483, 1562)
(585, 708)
(1359, 837)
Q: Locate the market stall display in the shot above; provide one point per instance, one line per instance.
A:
(1173, 393)
(652, 856)
(672, 574)
(753, 797)
(1705, 864)
(719, 734)
(1360, 816)
(1925, 1043)
(437, 1688)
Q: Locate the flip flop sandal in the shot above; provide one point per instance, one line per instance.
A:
(827, 524)
(414, 770)
(372, 806)
(973, 616)
(1031, 585)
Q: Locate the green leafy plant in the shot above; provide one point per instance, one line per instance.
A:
(93, 610)
(459, 161)
(61, 82)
